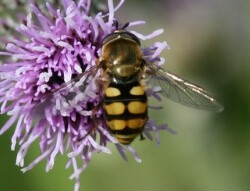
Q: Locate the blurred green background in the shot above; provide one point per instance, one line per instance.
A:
(210, 46)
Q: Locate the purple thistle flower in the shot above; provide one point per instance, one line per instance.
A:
(50, 50)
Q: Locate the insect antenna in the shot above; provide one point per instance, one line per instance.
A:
(125, 26)
(117, 25)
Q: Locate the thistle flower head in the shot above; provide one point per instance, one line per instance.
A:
(52, 48)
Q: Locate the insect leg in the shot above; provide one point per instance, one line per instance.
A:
(95, 121)
(141, 137)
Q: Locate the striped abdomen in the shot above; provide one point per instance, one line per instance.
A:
(125, 110)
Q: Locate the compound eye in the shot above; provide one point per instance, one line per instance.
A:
(131, 36)
(123, 34)
(110, 37)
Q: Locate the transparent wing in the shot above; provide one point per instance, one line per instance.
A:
(71, 89)
(182, 91)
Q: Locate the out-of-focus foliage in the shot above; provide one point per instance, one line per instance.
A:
(210, 46)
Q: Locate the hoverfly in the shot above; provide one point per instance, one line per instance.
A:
(124, 102)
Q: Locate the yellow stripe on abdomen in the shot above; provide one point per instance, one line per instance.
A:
(116, 108)
(137, 90)
(126, 139)
(137, 107)
(136, 123)
(112, 92)
(119, 124)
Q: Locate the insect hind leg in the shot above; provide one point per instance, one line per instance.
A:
(142, 137)
(94, 120)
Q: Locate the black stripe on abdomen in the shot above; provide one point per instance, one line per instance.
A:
(125, 98)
